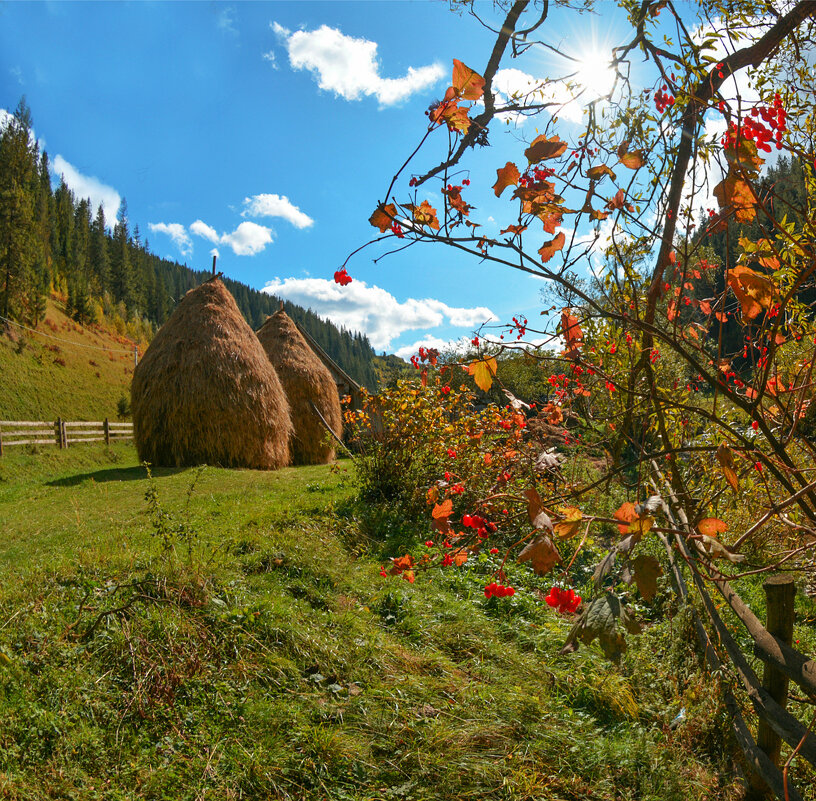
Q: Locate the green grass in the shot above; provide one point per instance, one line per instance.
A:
(276, 662)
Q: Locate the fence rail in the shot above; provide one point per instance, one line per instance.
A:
(782, 662)
(61, 433)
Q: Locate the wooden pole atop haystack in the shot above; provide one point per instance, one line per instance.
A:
(215, 256)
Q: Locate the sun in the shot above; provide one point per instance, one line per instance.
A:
(595, 74)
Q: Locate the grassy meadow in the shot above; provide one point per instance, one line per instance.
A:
(231, 637)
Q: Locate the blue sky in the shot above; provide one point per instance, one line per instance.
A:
(269, 131)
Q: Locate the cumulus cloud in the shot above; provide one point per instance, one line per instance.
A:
(84, 186)
(276, 206)
(200, 228)
(177, 233)
(247, 239)
(372, 310)
(349, 67)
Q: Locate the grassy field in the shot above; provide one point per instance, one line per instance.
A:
(65, 370)
(233, 638)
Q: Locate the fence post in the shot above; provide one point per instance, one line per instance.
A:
(780, 592)
(63, 434)
(1, 440)
(58, 432)
(107, 431)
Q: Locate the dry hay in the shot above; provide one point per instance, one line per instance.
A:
(306, 381)
(205, 392)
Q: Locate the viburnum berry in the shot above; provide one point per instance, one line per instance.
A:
(564, 601)
(445, 390)
(755, 425)
(382, 571)
(429, 544)
(498, 590)
(494, 551)
(342, 277)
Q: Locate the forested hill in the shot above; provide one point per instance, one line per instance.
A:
(52, 242)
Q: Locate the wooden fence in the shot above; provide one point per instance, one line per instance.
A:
(61, 433)
(771, 645)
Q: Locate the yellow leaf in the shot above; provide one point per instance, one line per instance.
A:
(634, 160)
(483, 372)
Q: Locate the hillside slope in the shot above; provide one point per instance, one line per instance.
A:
(64, 369)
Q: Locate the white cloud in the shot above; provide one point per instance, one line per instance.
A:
(200, 228)
(373, 310)
(84, 186)
(246, 240)
(276, 206)
(270, 57)
(349, 67)
(177, 233)
(442, 345)
(215, 252)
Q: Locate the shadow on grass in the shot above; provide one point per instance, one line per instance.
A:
(136, 473)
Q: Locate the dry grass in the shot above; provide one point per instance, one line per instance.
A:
(205, 392)
(306, 381)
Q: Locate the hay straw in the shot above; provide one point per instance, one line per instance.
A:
(205, 392)
(305, 380)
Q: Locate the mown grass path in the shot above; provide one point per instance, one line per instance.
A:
(275, 661)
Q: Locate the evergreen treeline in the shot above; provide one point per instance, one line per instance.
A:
(50, 241)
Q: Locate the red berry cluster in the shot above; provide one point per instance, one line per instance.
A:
(521, 325)
(396, 229)
(565, 601)
(498, 590)
(342, 277)
(478, 523)
(662, 100)
(537, 176)
(772, 125)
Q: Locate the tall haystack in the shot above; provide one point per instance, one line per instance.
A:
(205, 392)
(308, 385)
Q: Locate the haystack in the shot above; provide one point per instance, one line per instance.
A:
(308, 385)
(205, 392)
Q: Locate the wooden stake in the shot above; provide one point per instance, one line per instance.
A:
(780, 593)
(214, 258)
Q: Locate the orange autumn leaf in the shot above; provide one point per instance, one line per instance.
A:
(734, 193)
(543, 148)
(596, 173)
(712, 526)
(513, 229)
(626, 514)
(444, 509)
(726, 459)
(383, 217)
(572, 333)
(432, 495)
(553, 414)
(467, 83)
(424, 214)
(634, 160)
(506, 176)
(705, 307)
(552, 217)
(455, 117)
(755, 292)
(570, 525)
(550, 248)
